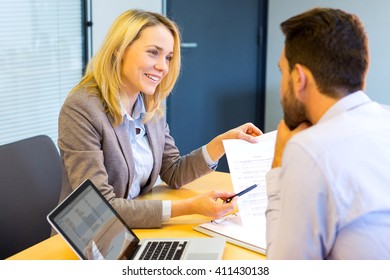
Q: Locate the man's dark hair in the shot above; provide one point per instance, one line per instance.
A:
(332, 44)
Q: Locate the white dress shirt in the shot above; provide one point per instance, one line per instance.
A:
(331, 197)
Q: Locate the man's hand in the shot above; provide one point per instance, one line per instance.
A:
(283, 136)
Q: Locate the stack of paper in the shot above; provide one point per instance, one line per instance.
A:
(248, 165)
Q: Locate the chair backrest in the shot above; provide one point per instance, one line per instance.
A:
(30, 186)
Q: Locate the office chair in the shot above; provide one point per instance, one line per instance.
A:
(30, 186)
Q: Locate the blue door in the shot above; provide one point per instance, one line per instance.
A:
(223, 60)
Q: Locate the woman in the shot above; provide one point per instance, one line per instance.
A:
(112, 127)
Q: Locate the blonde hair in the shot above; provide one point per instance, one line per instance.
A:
(104, 71)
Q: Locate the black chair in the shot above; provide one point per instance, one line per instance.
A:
(30, 186)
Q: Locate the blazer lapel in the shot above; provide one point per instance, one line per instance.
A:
(124, 142)
(154, 142)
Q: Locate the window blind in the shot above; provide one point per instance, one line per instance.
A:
(41, 59)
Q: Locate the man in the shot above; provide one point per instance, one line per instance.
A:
(329, 187)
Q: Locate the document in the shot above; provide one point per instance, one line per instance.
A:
(248, 165)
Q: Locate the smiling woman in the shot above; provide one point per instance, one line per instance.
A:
(113, 131)
(117, 56)
(146, 63)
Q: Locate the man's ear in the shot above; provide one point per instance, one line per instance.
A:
(300, 81)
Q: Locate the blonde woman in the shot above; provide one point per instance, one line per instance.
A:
(112, 127)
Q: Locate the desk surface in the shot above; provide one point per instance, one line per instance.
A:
(55, 248)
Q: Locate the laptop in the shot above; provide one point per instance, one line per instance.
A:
(95, 231)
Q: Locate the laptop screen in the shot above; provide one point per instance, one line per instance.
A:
(92, 227)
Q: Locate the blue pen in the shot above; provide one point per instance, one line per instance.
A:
(241, 193)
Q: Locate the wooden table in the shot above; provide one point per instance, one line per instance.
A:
(55, 248)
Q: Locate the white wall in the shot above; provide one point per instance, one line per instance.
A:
(375, 17)
(104, 12)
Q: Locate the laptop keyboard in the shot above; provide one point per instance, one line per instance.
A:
(163, 250)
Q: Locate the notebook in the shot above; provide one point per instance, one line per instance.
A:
(95, 231)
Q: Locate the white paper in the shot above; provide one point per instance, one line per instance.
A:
(248, 165)
(231, 227)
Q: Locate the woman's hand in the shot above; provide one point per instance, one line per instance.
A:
(247, 132)
(208, 204)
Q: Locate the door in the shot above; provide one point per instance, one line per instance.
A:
(222, 80)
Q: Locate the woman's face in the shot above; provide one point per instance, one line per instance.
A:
(146, 60)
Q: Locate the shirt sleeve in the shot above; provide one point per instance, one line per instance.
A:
(212, 164)
(301, 219)
(166, 210)
(167, 205)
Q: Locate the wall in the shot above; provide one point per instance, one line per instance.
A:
(104, 13)
(374, 15)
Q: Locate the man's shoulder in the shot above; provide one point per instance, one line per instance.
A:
(345, 131)
(322, 138)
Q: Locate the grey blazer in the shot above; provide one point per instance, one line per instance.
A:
(91, 147)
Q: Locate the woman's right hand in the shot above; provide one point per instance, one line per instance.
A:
(209, 204)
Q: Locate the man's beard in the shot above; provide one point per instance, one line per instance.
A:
(294, 111)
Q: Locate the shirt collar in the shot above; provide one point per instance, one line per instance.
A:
(139, 109)
(346, 103)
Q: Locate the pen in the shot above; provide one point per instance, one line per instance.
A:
(241, 193)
